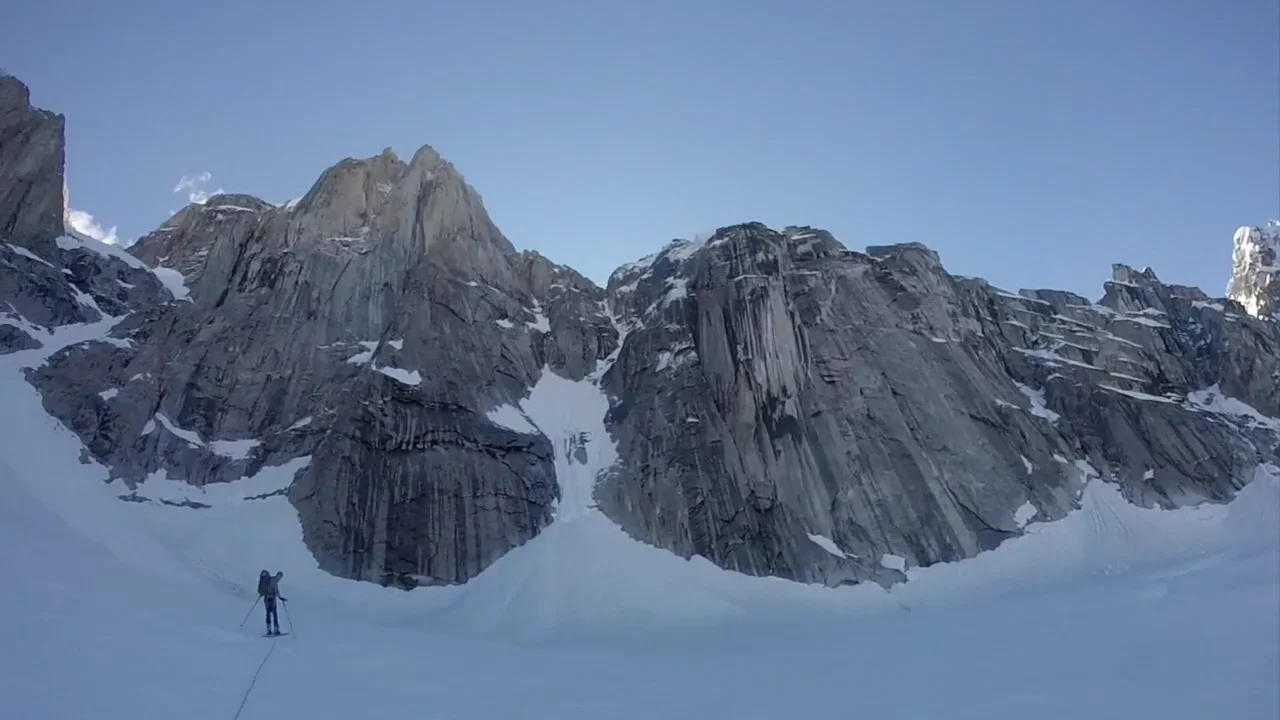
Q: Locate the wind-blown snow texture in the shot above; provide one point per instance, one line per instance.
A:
(127, 610)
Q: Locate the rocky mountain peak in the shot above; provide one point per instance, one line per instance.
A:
(1255, 271)
(31, 171)
(183, 242)
(779, 404)
(547, 279)
(353, 189)
(403, 211)
(391, 213)
(13, 92)
(1122, 273)
(236, 202)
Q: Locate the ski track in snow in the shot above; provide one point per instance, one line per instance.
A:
(123, 610)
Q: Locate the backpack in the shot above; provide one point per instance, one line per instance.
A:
(264, 583)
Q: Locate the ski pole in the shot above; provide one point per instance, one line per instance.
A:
(246, 615)
(288, 619)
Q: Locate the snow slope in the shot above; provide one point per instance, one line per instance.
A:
(118, 609)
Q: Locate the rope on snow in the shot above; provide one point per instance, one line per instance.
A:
(253, 682)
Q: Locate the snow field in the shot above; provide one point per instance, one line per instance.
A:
(126, 610)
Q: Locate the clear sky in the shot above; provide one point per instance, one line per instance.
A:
(1031, 142)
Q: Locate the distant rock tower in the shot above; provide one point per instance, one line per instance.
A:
(1255, 272)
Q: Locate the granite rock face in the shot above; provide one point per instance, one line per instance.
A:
(781, 405)
(51, 276)
(183, 242)
(32, 151)
(369, 327)
(789, 407)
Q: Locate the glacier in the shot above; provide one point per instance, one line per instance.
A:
(759, 473)
(133, 609)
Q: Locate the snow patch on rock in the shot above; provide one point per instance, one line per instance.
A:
(1024, 514)
(893, 562)
(512, 418)
(1214, 400)
(1038, 406)
(828, 544)
(233, 449)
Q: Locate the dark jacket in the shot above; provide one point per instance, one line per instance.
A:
(269, 587)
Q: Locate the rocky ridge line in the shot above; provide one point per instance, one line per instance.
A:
(782, 405)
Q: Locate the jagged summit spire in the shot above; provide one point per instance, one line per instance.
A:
(13, 91)
(383, 196)
(378, 204)
(426, 155)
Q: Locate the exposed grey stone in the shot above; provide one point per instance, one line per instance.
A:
(118, 287)
(14, 339)
(48, 278)
(183, 242)
(771, 391)
(80, 285)
(32, 150)
(1255, 272)
(577, 308)
(384, 270)
(428, 489)
(37, 290)
(774, 386)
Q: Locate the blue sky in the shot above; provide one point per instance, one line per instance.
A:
(1029, 142)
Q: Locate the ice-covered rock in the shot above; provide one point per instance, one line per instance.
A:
(1255, 272)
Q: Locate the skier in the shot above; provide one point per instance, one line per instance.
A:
(269, 589)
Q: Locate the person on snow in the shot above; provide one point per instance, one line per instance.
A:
(269, 589)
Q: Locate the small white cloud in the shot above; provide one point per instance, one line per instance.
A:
(83, 223)
(194, 186)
